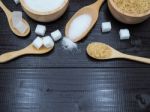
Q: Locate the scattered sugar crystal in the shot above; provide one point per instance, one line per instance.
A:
(67, 44)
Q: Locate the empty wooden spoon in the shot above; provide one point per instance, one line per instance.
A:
(91, 10)
(26, 51)
(9, 18)
(101, 51)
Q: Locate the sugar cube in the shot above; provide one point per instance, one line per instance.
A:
(106, 27)
(40, 30)
(17, 1)
(21, 27)
(56, 35)
(48, 42)
(38, 42)
(16, 17)
(124, 34)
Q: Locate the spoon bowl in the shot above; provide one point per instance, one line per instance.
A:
(47, 16)
(101, 51)
(91, 10)
(29, 50)
(9, 18)
(16, 31)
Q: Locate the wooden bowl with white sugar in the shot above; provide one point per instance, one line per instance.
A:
(131, 16)
(44, 10)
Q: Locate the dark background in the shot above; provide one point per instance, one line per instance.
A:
(63, 81)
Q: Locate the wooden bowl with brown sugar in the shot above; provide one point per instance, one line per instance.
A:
(44, 10)
(130, 11)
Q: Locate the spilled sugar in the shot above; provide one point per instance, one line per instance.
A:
(67, 44)
(78, 26)
(44, 5)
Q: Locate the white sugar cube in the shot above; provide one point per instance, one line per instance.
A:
(124, 34)
(48, 42)
(21, 27)
(17, 1)
(16, 17)
(38, 42)
(106, 27)
(56, 35)
(40, 30)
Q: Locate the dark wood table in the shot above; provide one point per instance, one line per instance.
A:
(63, 81)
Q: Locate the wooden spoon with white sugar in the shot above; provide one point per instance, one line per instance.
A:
(9, 18)
(101, 51)
(87, 17)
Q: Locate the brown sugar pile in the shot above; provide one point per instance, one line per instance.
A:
(133, 6)
(99, 51)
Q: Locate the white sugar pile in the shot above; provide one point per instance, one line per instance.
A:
(78, 26)
(44, 5)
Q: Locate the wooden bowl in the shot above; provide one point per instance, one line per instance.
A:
(126, 17)
(45, 16)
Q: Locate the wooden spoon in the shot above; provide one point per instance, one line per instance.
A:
(26, 51)
(93, 11)
(9, 18)
(101, 51)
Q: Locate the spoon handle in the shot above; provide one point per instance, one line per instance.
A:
(136, 58)
(98, 4)
(5, 9)
(11, 55)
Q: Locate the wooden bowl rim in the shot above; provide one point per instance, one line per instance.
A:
(127, 14)
(43, 13)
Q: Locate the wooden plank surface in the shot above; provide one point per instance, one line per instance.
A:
(63, 81)
(75, 90)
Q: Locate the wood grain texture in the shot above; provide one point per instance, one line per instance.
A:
(63, 81)
(39, 90)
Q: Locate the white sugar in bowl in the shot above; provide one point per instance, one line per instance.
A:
(44, 10)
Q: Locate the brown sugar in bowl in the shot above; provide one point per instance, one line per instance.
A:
(127, 18)
(48, 16)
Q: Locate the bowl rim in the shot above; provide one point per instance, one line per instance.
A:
(127, 14)
(23, 4)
